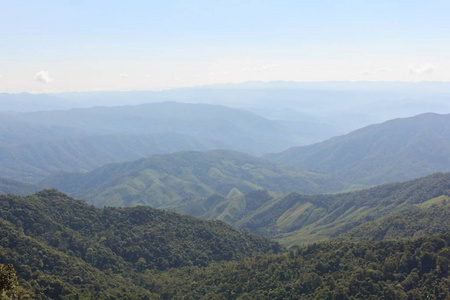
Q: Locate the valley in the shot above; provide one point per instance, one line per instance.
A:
(201, 201)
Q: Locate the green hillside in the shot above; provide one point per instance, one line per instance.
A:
(66, 249)
(180, 179)
(9, 186)
(35, 145)
(34, 160)
(416, 269)
(413, 223)
(244, 192)
(296, 218)
(399, 149)
(52, 274)
(55, 242)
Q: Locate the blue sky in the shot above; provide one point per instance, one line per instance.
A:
(71, 45)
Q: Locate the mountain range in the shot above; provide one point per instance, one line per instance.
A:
(395, 150)
(230, 186)
(8, 186)
(37, 144)
(169, 180)
(61, 248)
(358, 221)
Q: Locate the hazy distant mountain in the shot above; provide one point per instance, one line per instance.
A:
(171, 180)
(16, 130)
(25, 102)
(396, 150)
(9, 186)
(338, 106)
(35, 145)
(238, 129)
(33, 161)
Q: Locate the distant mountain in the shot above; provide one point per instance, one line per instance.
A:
(396, 150)
(337, 107)
(33, 161)
(295, 218)
(25, 102)
(63, 247)
(35, 145)
(184, 178)
(9, 186)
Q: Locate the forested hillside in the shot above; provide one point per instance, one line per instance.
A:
(65, 246)
(417, 269)
(414, 223)
(412, 269)
(396, 150)
(295, 218)
(171, 180)
(63, 249)
(9, 186)
(230, 186)
(33, 161)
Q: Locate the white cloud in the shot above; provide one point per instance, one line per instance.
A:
(365, 72)
(43, 77)
(123, 75)
(427, 68)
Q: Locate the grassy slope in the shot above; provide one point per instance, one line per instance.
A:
(172, 180)
(416, 222)
(295, 218)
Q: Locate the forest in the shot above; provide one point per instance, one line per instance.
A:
(55, 247)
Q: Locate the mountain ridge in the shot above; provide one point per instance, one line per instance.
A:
(161, 179)
(395, 150)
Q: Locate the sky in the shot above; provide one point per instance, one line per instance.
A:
(80, 45)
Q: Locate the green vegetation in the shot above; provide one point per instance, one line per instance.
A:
(387, 242)
(435, 202)
(182, 179)
(9, 289)
(62, 247)
(38, 144)
(413, 223)
(32, 161)
(399, 149)
(8, 186)
(296, 219)
(221, 185)
(416, 269)
(52, 274)
(66, 249)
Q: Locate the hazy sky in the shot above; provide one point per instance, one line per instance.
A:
(75, 45)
